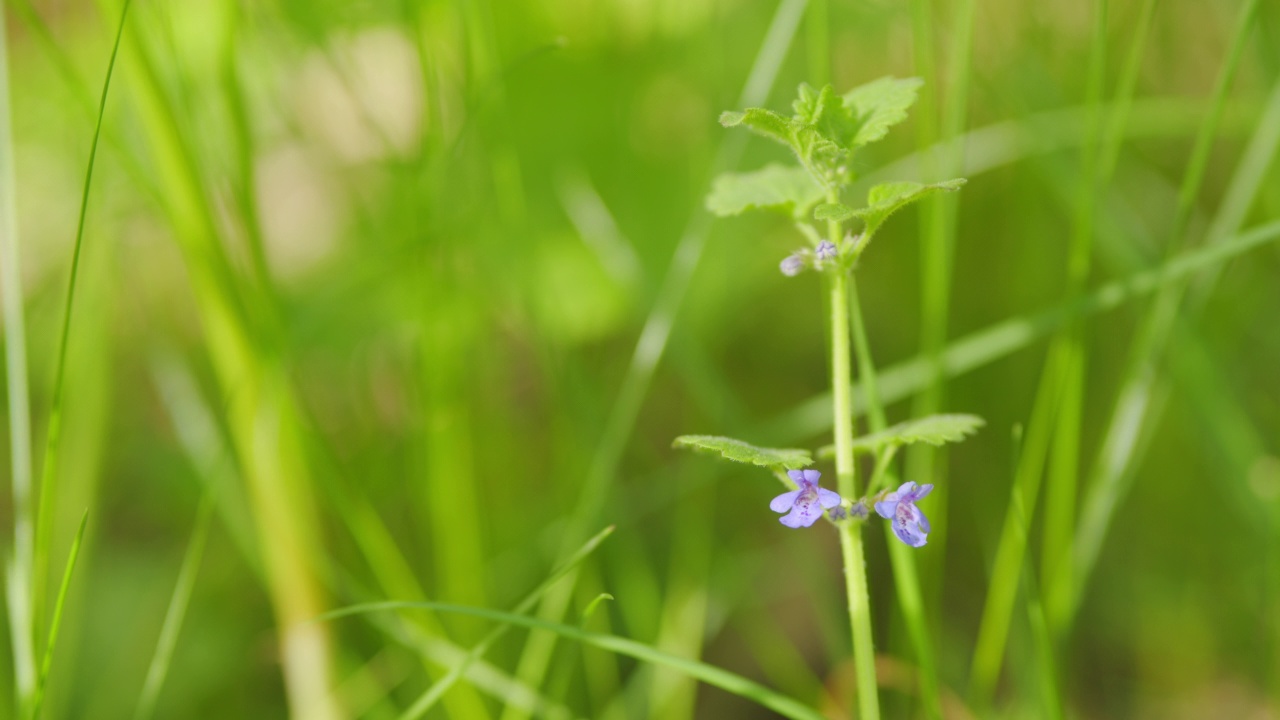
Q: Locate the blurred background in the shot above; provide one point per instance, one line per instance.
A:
(383, 300)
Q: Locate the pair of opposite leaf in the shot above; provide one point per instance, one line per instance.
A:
(808, 502)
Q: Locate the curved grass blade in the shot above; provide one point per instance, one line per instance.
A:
(710, 674)
(19, 569)
(652, 343)
(53, 437)
(904, 379)
(1141, 397)
(433, 694)
(177, 611)
(56, 622)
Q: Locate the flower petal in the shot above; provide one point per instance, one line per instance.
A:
(791, 520)
(812, 476)
(804, 513)
(796, 476)
(887, 508)
(783, 502)
(924, 521)
(908, 533)
(827, 498)
(923, 490)
(906, 488)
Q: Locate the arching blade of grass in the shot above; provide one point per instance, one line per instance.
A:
(710, 674)
(261, 408)
(195, 426)
(937, 250)
(55, 623)
(18, 567)
(177, 610)
(1132, 417)
(904, 379)
(1063, 465)
(53, 437)
(433, 694)
(653, 338)
(1008, 568)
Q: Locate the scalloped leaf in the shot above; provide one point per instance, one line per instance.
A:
(776, 187)
(885, 199)
(833, 211)
(739, 451)
(763, 122)
(936, 430)
(933, 429)
(879, 105)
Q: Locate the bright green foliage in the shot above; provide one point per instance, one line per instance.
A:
(833, 211)
(888, 198)
(933, 429)
(879, 105)
(777, 187)
(739, 451)
(823, 133)
(764, 122)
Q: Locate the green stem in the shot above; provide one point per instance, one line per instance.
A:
(905, 573)
(855, 570)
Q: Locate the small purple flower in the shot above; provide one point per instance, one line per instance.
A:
(807, 503)
(909, 524)
(826, 250)
(791, 265)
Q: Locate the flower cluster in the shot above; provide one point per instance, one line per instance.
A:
(801, 260)
(805, 506)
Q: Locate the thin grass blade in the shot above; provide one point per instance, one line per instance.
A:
(427, 700)
(53, 436)
(176, 612)
(55, 622)
(20, 565)
(710, 674)
(652, 342)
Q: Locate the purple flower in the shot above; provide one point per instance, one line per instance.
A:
(826, 250)
(805, 504)
(909, 524)
(791, 265)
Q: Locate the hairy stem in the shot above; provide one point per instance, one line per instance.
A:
(855, 570)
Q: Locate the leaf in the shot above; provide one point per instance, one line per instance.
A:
(933, 429)
(738, 451)
(764, 122)
(774, 186)
(833, 211)
(886, 199)
(826, 113)
(879, 105)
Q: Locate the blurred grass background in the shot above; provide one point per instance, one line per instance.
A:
(365, 282)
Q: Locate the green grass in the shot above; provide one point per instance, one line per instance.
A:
(380, 311)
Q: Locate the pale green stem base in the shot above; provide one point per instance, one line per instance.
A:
(855, 571)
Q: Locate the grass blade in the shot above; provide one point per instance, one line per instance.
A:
(1121, 446)
(653, 338)
(19, 568)
(906, 575)
(433, 694)
(710, 674)
(53, 437)
(177, 610)
(55, 622)
(902, 380)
